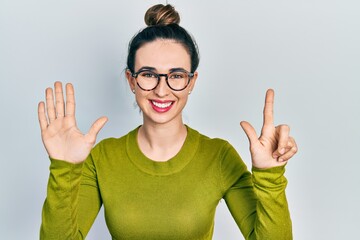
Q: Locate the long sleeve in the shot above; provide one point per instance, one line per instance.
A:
(256, 201)
(73, 200)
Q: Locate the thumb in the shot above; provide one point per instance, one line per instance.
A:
(96, 127)
(249, 131)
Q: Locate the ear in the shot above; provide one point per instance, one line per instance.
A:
(131, 79)
(192, 82)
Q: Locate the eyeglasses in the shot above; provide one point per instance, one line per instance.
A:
(148, 80)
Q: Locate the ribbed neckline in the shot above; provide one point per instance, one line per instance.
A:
(173, 165)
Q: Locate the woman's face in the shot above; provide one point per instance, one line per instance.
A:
(162, 104)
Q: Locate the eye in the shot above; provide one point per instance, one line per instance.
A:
(177, 75)
(148, 75)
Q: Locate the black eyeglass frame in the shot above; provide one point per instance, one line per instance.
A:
(159, 75)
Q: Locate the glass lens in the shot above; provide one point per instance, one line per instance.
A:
(178, 80)
(147, 80)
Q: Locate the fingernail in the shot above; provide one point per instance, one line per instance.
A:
(281, 160)
(282, 151)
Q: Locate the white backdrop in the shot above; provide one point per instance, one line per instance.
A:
(308, 51)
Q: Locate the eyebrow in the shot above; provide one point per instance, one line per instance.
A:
(154, 69)
(147, 68)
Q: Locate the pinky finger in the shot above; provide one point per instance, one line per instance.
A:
(42, 116)
(290, 152)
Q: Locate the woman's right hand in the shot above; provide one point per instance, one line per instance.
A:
(60, 134)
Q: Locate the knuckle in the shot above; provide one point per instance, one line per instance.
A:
(70, 103)
(285, 127)
(294, 149)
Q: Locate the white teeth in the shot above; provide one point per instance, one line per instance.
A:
(161, 105)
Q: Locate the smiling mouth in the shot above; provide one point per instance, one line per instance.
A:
(162, 105)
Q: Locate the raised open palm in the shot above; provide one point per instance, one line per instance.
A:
(61, 137)
(274, 147)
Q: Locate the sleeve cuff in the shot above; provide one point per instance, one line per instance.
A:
(62, 167)
(271, 177)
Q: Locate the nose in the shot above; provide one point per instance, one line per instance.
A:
(162, 89)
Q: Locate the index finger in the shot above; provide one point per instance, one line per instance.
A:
(269, 108)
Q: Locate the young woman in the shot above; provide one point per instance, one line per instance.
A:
(163, 180)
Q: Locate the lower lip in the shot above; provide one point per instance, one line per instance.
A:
(161, 110)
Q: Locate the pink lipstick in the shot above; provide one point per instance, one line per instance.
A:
(161, 106)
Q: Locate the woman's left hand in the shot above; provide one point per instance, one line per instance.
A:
(275, 146)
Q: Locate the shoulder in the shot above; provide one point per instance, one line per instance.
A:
(229, 161)
(214, 148)
(209, 142)
(114, 143)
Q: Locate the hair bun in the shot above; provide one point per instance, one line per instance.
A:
(161, 15)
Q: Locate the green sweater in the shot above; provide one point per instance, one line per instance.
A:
(177, 199)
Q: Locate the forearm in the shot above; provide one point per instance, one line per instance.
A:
(272, 212)
(59, 215)
(258, 205)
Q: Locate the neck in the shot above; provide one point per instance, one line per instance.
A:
(161, 142)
